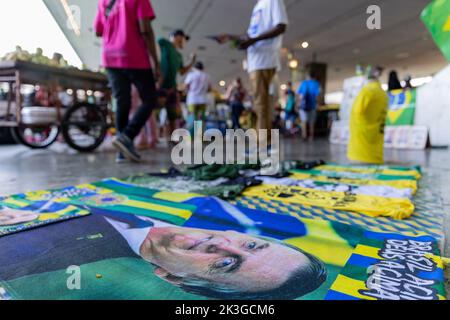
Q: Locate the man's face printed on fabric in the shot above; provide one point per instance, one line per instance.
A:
(232, 259)
(10, 217)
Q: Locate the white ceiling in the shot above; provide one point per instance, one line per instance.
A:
(336, 31)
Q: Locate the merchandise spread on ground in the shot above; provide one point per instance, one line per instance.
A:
(344, 261)
(373, 206)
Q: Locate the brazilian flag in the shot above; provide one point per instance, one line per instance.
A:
(436, 17)
(402, 107)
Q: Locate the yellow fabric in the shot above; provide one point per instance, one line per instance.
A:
(350, 287)
(367, 251)
(399, 184)
(356, 169)
(185, 214)
(367, 122)
(369, 205)
(325, 242)
(177, 197)
(57, 197)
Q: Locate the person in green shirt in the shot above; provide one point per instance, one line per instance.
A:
(172, 65)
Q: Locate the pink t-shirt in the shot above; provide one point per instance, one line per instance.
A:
(123, 44)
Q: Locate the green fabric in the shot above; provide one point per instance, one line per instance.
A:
(137, 191)
(119, 279)
(402, 108)
(353, 175)
(320, 293)
(232, 171)
(213, 188)
(224, 192)
(132, 278)
(171, 63)
(390, 167)
(436, 17)
(215, 171)
(126, 202)
(37, 213)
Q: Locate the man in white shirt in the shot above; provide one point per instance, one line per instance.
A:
(198, 84)
(263, 42)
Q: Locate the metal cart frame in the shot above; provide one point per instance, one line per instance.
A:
(18, 73)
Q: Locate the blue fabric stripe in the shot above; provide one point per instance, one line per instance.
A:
(438, 274)
(384, 236)
(334, 295)
(361, 261)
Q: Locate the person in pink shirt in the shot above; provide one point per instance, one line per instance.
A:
(129, 49)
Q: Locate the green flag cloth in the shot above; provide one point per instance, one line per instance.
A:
(436, 17)
(402, 107)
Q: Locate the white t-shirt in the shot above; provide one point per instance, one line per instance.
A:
(379, 191)
(199, 83)
(265, 54)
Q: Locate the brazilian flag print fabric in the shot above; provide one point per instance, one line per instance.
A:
(17, 215)
(436, 17)
(380, 170)
(391, 267)
(398, 184)
(402, 107)
(349, 174)
(374, 206)
(136, 241)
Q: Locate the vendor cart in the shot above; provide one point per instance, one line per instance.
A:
(84, 122)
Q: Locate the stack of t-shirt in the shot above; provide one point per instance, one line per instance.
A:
(375, 191)
(372, 190)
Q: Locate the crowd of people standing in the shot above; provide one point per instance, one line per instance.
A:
(145, 82)
(130, 57)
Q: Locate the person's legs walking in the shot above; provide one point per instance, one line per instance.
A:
(260, 81)
(234, 116)
(312, 124)
(304, 120)
(121, 88)
(200, 112)
(153, 133)
(145, 85)
(236, 112)
(191, 119)
(172, 102)
(200, 115)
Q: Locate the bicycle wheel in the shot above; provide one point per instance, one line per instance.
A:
(84, 127)
(35, 136)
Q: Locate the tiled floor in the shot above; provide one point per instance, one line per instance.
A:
(22, 169)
